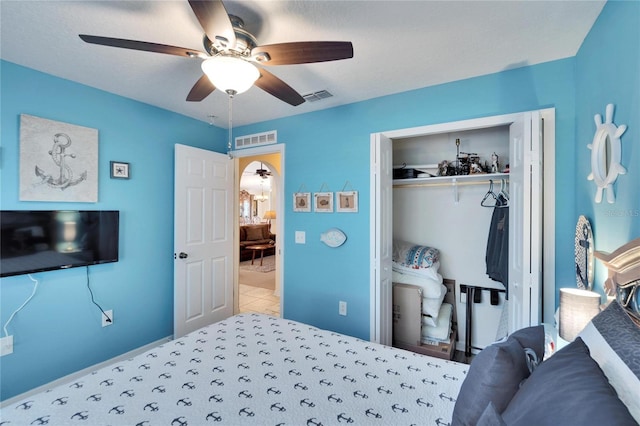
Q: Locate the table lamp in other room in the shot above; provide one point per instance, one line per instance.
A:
(269, 215)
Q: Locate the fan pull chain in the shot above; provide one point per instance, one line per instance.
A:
(231, 93)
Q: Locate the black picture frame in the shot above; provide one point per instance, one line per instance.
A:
(120, 170)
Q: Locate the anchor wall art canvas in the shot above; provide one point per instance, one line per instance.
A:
(58, 161)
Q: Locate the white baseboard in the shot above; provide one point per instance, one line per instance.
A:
(85, 371)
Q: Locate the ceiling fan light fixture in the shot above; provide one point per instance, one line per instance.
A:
(230, 74)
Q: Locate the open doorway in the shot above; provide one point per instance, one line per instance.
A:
(259, 238)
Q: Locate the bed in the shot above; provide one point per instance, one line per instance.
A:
(255, 369)
(261, 370)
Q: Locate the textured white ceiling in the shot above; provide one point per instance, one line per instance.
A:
(398, 46)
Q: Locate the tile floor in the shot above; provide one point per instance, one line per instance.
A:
(260, 300)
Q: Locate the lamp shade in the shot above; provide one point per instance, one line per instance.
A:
(269, 214)
(577, 307)
(230, 74)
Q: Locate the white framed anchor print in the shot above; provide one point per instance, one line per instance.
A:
(58, 161)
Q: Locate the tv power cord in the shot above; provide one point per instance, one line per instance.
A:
(108, 319)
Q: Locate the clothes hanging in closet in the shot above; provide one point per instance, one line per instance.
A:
(497, 256)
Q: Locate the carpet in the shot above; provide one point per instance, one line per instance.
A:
(257, 279)
(268, 264)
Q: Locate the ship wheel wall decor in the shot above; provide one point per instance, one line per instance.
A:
(605, 155)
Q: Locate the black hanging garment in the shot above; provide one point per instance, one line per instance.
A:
(497, 256)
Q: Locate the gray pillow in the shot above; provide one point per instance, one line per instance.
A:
(490, 417)
(613, 340)
(495, 375)
(567, 389)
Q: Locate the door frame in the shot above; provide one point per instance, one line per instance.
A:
(378, 331)
(278, 181)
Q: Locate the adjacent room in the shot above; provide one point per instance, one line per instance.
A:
(320, 212)
(258, 237)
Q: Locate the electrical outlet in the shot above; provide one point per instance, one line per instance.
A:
(301, 237)
(6, 345)
(342, 308)
(108, 318)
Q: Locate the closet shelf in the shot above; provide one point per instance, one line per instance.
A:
(444, 180)
(452, 181)
(416, 166)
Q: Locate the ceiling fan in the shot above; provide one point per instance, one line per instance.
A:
(232, 51)
(262, 172)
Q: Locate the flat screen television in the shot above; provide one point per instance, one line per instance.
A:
(44, 240)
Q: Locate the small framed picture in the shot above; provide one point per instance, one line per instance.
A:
(119, 170)
(302, 202)
(323, 202)
(347, 202)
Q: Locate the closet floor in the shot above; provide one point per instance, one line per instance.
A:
(459, 356)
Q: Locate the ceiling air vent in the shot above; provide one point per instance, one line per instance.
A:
(316, 96)
(257, 139)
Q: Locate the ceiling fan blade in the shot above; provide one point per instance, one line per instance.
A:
(303, 52)
(142, 45)
(278, 88)
(214, 19)
(201, 89)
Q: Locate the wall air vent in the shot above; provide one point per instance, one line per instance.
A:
(257, 139)
(317, 96)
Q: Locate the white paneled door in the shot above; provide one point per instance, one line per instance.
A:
(382, 235)
(203, 238)
(525, 221)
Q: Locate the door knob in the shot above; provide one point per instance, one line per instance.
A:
(183, 255)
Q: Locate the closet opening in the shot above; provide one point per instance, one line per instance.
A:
(473, 195)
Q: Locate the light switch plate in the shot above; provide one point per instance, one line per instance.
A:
(342, 308)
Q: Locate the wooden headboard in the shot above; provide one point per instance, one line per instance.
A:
(624, 268)
(623, 265)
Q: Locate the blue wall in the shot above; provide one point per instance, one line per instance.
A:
(331, 147)
(326, 148)
(608, 71)
(60, 331)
